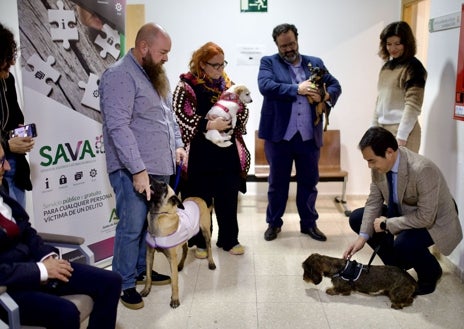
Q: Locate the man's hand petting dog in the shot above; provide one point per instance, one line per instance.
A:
(141, 183)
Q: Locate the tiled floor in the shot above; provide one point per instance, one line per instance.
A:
(264, 288)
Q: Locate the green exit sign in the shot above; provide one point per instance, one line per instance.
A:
(257, 6)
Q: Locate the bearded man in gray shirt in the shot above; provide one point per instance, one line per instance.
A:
(141, 138)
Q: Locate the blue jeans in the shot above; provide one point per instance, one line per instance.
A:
(14, 191)
(129, 243)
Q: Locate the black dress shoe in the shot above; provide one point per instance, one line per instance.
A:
(157, 279)
(314, 233)
(425, 288)
(271, 233)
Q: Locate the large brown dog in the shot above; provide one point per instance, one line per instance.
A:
(389, 280)
(167, 232)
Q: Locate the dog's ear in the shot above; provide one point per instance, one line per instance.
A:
(239, 89)
(175, 201)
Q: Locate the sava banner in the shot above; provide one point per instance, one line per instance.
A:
(65, 47)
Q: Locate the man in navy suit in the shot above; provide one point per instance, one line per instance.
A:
(290, 128)
(36, 278)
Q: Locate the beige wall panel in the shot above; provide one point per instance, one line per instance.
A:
(135, 18)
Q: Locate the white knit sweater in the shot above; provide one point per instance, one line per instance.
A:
(400, 95)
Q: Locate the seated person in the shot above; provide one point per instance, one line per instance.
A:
(36, 278)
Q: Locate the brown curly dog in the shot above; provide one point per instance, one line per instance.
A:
(348, 276)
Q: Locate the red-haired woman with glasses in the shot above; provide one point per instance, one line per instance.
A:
(213, 173)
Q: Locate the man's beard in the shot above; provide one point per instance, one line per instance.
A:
(290, 56)
(157, 75)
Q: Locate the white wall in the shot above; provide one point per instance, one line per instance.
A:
(343, 33)
(443, 139)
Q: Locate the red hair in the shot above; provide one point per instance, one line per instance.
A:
(203, 55)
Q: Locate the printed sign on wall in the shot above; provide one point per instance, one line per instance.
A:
(65, 47)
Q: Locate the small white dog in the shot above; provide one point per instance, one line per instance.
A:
(229, 104)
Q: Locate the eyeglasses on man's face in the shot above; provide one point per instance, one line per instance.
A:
(217, 66)
(290, 45)
(2, 161)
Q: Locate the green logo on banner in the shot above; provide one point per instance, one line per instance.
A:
(257, 6)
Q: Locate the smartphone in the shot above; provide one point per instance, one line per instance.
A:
(28, 130)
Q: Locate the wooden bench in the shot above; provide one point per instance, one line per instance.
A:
(329, 165)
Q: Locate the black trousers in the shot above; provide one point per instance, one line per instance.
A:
(221, 190)
(408, 249)
(44, 306)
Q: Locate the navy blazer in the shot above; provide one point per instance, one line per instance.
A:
(279, 92)
(18, 256)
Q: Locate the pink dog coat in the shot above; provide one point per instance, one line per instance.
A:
(189, 226)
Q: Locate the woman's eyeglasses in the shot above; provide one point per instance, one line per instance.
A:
(217, 66)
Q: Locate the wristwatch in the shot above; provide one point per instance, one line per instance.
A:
(383, 225)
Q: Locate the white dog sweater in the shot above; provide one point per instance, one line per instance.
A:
(189, 226)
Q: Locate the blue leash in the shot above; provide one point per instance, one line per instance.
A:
(178, 172)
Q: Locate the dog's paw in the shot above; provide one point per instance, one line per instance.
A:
(224, 144)
(211, 266)
(331, 291)
(145, 292)
(174, 303)
(396, 306)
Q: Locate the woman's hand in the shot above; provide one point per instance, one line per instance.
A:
(218, 123)
(21, 145)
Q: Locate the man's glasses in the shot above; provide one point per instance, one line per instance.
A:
(217, 66)
(290, 45)
(2, 161)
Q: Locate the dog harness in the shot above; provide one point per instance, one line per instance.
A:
(351, 272)
(189, 226)
(231, 97)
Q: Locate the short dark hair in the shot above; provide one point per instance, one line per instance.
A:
(8, 47)
(379, 140)
(284, 28)
(403, 31)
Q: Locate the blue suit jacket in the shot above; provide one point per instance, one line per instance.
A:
(275, 84)
(18, 256)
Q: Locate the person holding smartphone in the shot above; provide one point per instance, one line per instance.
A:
(18, 178)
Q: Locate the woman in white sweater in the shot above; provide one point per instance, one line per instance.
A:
(400, 86)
